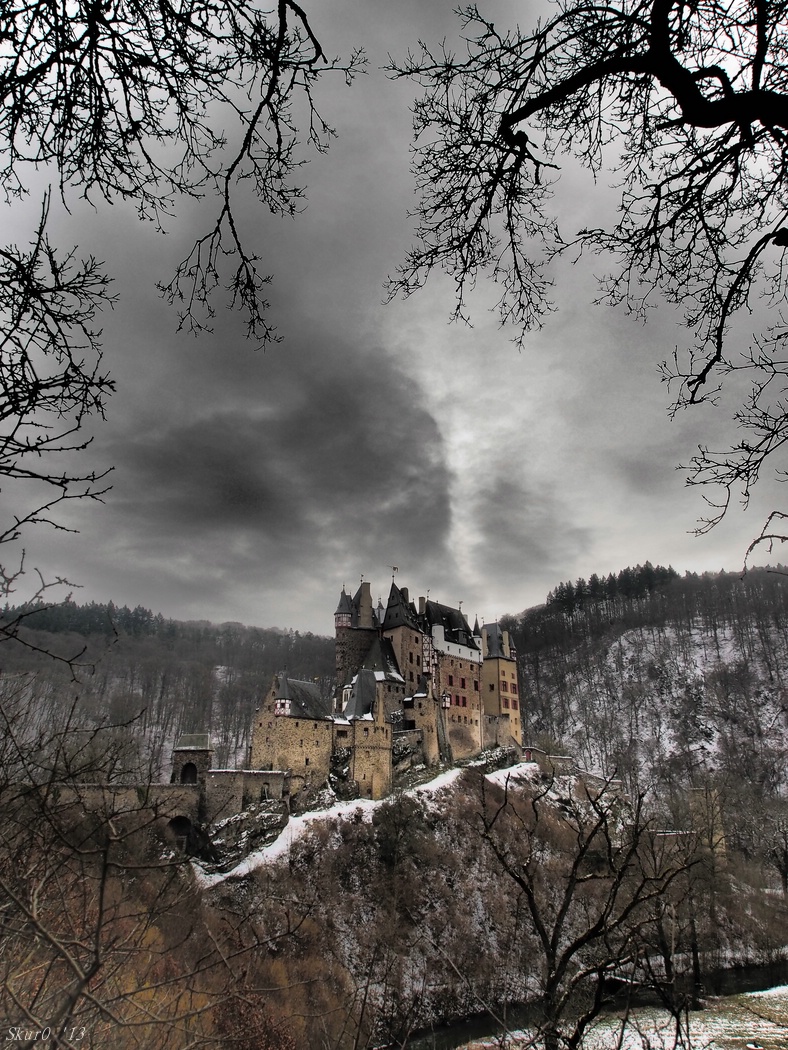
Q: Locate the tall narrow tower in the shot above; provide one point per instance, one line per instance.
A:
(355, 629)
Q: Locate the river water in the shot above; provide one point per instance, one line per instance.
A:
(718, 983)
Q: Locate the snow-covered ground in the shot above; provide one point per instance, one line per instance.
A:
(754, 1021)
(298, 825)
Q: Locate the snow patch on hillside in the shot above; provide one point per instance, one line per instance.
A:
(297, 826)
(522, 773)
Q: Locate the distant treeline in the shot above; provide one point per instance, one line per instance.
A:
(575, 613)
(229, 644)
(628, 583)
(91, 618)
(171, 676)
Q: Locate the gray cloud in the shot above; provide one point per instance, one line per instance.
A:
(524, 531)
(250, 486)
(334, 454)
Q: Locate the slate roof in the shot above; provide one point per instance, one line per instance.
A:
(494, 641)
(400, 613)
(362, 695)
(381, 657)
(305, 699)
(350, 606)
(455, 627)
(194, 742)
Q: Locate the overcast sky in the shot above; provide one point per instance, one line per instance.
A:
(251, 486)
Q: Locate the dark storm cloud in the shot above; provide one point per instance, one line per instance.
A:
(250, 486)
(337, 452)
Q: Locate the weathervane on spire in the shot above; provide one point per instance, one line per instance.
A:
(394, 569)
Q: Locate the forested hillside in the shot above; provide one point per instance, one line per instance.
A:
(472, 894)
(671, 683)
(171, 677)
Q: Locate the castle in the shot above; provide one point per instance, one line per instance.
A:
(414, 685)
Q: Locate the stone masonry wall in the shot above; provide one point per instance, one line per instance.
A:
(423, 714)
(280, 742)
(370, 759)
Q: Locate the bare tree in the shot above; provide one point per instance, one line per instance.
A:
(145, 102)
(577, 857)
(104, 938)
(51, 383)
(688, 104)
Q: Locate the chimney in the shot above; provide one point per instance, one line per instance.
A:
(405, 596)
(507, 649)
(365, 605)
(422, 605)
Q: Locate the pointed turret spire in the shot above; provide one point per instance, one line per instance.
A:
(343, 617)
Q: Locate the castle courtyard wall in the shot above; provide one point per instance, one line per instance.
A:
(304, 746)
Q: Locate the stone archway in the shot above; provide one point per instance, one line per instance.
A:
(189, 773)
(181, 830)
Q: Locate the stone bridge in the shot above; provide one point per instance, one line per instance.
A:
(162, 800)
(173, 806)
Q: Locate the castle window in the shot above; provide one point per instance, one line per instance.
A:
(514, 705)
(465, 701)
(451, 679)
(457, 699)
(306, 761)
(462, 683)
(504, 687)
(341, 733)
(476, 685)
(492, 687)
(418, 661)
(506, 703)
(410, 673)
(514, 688)
(410, 656)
